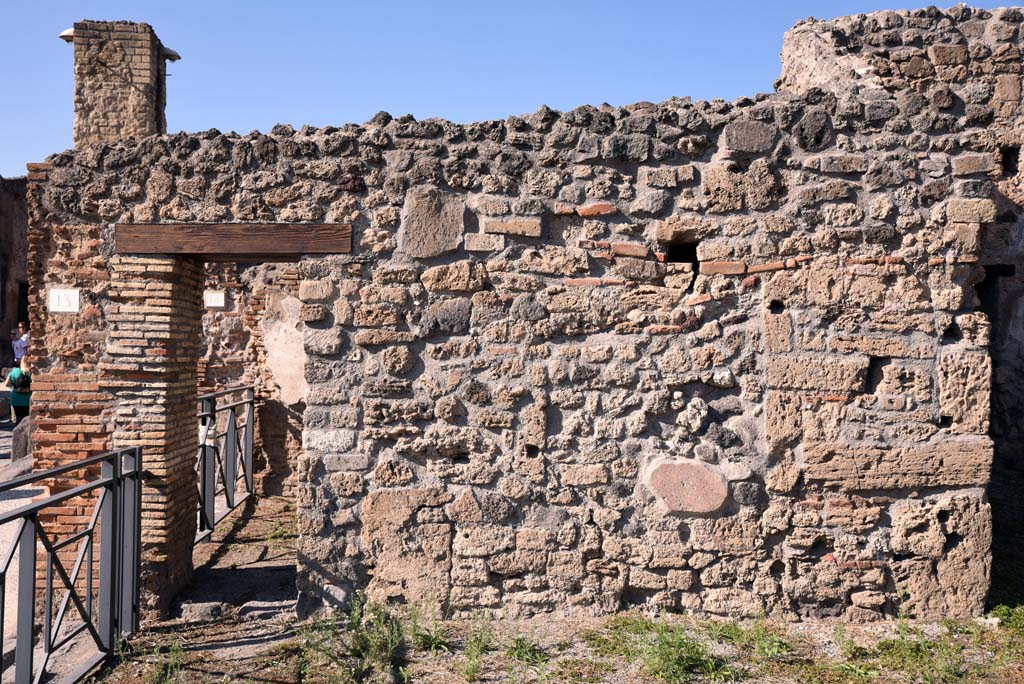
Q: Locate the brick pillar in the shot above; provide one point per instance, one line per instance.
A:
(120, 81)
(150, 372)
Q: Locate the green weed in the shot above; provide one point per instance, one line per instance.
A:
(605, 645)
(630, 624)
(170, 666)
(527, 651)
(279, 532)
(760, 638)
(580, 670)
(933, 661)
(434, 638)
(675, 657)
(726, 632)
(480, 642)
(375, 635)
(857, 671)
(849, 647)
(365, 640)
(1010, 618)
(620, 637)
(481, 638)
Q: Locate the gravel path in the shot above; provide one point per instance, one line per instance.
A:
(9, 501)
(6, 435)
(238, 613)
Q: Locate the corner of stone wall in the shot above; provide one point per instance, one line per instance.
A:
(812, 57)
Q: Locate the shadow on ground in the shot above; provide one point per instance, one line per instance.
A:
(249, 566)
(236, 620)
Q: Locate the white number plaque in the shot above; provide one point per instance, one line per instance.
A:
(215, 299)
(64, 300)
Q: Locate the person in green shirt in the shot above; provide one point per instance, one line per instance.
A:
(20, 382)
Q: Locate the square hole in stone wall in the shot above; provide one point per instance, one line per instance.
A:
(876, 372)
(1011, 159)
(990, 287)
(681, 253)
(952, 334)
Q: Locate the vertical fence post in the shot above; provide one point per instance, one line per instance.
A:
(208, 468)
(131, 519)
(247, 440)
(109, 547)
(26, 601)
(229, 456)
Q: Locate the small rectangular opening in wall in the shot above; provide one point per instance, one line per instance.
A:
(952, 334)
(681, 253)
(876, 372)
(988, 289)
(1000, 271)
(1011, 159)
(23, 301)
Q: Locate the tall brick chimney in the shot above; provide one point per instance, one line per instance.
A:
(120, 81)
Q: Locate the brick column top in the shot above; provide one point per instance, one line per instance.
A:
(120, 81)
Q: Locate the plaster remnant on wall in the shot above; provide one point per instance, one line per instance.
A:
(687, 487)
(286, 356)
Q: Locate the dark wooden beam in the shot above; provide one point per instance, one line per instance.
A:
(234, 241)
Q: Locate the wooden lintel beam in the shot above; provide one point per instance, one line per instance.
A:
(234, 241)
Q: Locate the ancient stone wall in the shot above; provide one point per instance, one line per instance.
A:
(966, 62)
(712, 356)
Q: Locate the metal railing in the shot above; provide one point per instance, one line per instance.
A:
(99, 597)
(225, 454)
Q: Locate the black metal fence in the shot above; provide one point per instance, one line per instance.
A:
(225, 454)
(73, 597)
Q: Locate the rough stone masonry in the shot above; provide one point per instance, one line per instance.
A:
(709, 356)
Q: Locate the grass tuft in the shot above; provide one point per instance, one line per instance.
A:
(525, 650)
(433, 638)
(481, 641)
(580, 670)
(760, 639)
(1010, 618)
(926, 659)
(364, 643)
(675, 657)
(168, 668)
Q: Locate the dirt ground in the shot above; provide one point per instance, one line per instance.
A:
(237, 613)
(236, 624)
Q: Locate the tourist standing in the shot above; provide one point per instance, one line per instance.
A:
(20, 342)
(20, 382)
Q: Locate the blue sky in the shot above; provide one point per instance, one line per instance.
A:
(249, 65)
